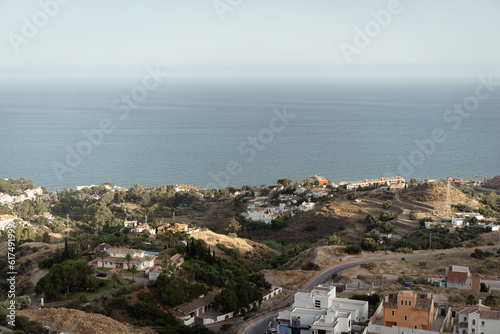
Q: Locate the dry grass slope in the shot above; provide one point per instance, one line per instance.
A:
(75, 321)
(253, 253)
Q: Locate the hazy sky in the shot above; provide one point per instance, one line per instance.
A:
(303, 37)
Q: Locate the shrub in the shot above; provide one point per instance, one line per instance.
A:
(311, 227)
(369, 265)
(387, 204)
(333, 240)
(352, 196)
(480, 254)
(369, 244)
(353, 249)
(413, 215)
(457, 298)
(405, 250)
(310, 266)
(385, 216)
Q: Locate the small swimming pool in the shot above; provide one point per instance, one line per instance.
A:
(152, 253)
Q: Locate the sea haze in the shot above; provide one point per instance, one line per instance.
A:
(188, 131)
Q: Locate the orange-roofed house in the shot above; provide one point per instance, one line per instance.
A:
(409, 309)
(459, 277)
(321, 180)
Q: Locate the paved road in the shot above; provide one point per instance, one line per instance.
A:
(259, 324)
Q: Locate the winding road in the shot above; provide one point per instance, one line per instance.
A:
(258, 325)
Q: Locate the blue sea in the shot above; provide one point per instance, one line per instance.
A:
(215, 133)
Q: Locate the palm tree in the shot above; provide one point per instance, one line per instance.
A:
(115, 278)
(87, 239)
(102, 255)
(133, 270)
(128, 258)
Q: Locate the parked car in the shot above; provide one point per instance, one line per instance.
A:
(101, 275)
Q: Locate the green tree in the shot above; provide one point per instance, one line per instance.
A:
(386, 227)
(233, 226)
(386, 215)
(413, 182)
(352, 195)
(387, 204)
(369, 244)
(66, 277)
(115, 277)
(102, 255)
(470, 300)
(128, 258)
(334, 240)
(133, 269)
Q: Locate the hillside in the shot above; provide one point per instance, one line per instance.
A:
(75, 321)
(434, 194)
(324, 257)
(253, 253)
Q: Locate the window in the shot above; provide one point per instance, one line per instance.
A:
(317, 304)
(482, 323)
(402, 302)
(392, 312)
(473, 330)
(409, 303)
(465, 318)
(406, 302)
(416, 326)
(406, 317)
(473, 321)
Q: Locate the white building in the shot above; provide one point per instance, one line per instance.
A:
(31, 193)
(478, 319)
(259, 201)
(320, 312)
(5, 220)
(130, 223)
(306, 206)
(116, 258)
(317, 193)
(300, 190)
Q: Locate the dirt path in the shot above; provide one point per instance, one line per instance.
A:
(38, 276)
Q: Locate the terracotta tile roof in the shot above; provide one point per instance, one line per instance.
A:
(197, 303)
(454, 276)
(489, 314)
(423, 302)
(391, 299)
(474, 308)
